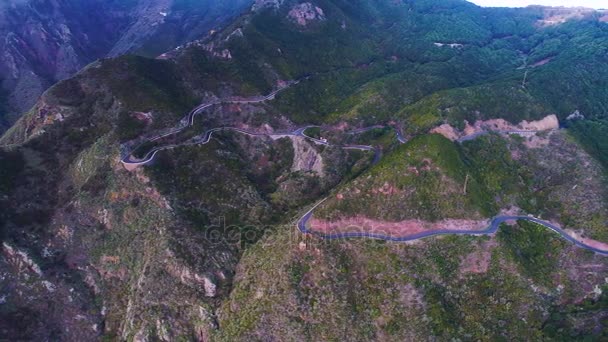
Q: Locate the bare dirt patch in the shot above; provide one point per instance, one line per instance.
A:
(546, 123)
(145, 117)
(396, 229)
(559, 15)
(447, 131)
(478, 261)
(305, 13)
(541, 63)
(588, 241)
(549, 122)
(306, 157)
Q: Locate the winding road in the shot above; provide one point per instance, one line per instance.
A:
(206, 137)
(128, 160)
(494, 225)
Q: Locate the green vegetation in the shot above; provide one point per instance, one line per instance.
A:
(534, 248)
(146, 147)
(128, 127)
(428, 177)
(146, 85)
(206, 198)
(313, 132)
(496, 100)
(576, 322)
(400, 291)
(384, 138)
(369, 62)
(577, 68)
(12, 165)
(489, 160)
(593, 136)
(364, 55)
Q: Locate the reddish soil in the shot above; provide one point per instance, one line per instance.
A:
(145, 117)
(478, 261)
(447, 131)
(386, 189)
(549, 122)
(403, 228)
(587, 241)
(595, 244)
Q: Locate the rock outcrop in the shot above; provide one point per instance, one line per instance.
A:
(550, 122)
(305, 13)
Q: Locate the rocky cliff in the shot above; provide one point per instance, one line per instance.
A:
(44, 42)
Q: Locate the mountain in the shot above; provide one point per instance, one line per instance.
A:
(49, 41)
(208, 194)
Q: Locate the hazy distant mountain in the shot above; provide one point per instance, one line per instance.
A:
(45, 41)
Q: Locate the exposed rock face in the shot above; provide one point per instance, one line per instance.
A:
(44, 42)
(305, 13)
(148, 16)
(546, 123)
(550, 122)
(260, 4)
(217, 53)
(576, 115)
(210, 287)
(20, 259)
(190, 277)
(305, 157)
(559, 15)
(447, 131)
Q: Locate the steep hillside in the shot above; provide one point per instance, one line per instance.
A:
(133, 248)
(365, 57)
(522, 282)
(431, 183)
(159, 199)
(47, 42)
(423, 179)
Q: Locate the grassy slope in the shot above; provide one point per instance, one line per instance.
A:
(380, 43)
(428, 174)
(290, 287)
(593, 136)
(558, 181)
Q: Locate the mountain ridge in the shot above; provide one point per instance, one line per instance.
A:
(46, 43)
(201, 243)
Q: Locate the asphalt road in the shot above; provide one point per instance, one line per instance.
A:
(206, 137)
(189, 121)
(495, 224)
